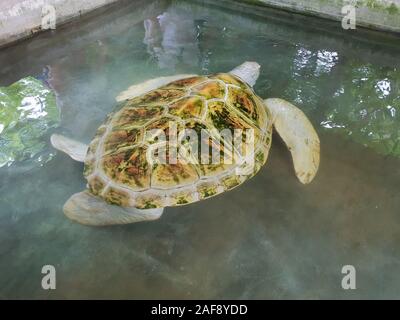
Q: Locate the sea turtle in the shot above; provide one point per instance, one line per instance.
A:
(125, 185)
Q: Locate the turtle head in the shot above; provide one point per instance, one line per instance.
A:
(248, 72)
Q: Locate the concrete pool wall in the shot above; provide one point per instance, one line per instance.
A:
(20, 19)
(375, 14)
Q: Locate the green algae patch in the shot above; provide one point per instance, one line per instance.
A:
(28, 110)
(366, 107)
(349, 97)
(393, 9)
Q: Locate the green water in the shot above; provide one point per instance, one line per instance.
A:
(270, 238)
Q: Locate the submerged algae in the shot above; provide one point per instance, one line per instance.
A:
(28, 110)
(366, 106)
(363, 103)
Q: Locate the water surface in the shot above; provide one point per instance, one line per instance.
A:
(270, 238)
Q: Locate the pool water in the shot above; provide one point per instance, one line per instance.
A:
(271, 238)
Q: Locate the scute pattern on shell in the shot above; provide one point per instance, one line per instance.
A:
(116, 166)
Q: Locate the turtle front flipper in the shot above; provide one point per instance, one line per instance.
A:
(86, 208)
(299, 135)
(144, 87)
(75, 149)
(248, 71)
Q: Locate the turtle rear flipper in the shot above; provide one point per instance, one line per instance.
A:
(75, 149)
(299, 135)
(86, 208)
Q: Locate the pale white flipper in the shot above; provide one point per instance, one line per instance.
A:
(75, 149)
(299, 135)
(144, 87)
(85, 208)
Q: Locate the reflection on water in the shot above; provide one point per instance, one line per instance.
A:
(270, 238)
(171, 38)
(365, 106)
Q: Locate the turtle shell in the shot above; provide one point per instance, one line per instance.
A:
(118, 166)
